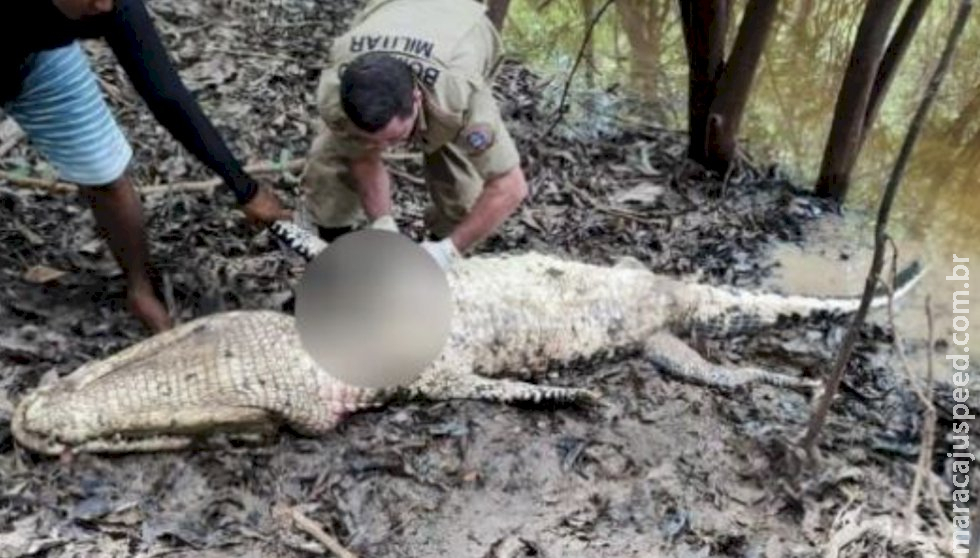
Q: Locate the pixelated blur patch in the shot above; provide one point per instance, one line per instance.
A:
(478, 137)
(374, 309)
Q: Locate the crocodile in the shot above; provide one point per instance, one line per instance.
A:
(243, 374)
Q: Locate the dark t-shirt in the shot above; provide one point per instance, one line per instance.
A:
(30, 26)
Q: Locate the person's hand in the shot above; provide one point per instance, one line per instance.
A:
(385, 223)
(265, 208)
(443, 251)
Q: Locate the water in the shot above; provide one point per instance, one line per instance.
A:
(936, 214)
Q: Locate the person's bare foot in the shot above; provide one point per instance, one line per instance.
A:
(149, 310)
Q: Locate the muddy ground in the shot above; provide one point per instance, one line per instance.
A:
(667, 469)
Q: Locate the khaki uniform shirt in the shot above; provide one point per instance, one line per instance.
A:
(453, 50)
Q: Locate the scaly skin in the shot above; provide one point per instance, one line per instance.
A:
(245, 373)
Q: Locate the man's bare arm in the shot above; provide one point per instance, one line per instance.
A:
(373, 184)
(499, 199)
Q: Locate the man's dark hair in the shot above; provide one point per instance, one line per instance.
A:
(375, 88)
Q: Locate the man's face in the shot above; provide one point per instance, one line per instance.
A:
(398, 129)
(78, 9)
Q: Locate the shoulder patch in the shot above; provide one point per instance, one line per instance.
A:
(478, 137)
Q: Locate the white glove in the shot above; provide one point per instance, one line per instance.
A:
(385, 223)
(443, 251)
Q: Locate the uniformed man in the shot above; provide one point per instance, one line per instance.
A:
(417, 72)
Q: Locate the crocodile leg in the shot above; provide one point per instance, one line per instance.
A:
(468, 385)
(676, 358)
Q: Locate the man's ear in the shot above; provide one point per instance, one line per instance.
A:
(416, 101)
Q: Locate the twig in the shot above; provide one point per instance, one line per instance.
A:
(578, 60)
(929, 414)
(64, 187)
(627, 214)
(929, 428)
(206, 185)
(833, 381)
(38, 183)
(624, 213)
(311, 528)
(202, 185)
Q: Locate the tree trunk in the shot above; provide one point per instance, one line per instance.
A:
(893, 56)
(728, 107)
(847, 127)
(497, 12)
(705, 23)
(642, 21)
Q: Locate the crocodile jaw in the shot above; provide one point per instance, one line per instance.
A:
(37, 426)
(244, 424)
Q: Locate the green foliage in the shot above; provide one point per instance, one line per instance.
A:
(792, 104)
(548, 40)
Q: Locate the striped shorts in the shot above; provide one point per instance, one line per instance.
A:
(65, 117)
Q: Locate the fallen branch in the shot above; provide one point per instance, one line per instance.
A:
(37, 183)
(202, 185)
(268, 167)
(834, 379)
(206, 185)
(311, 528)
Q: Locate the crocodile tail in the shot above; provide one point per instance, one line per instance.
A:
(721, 310)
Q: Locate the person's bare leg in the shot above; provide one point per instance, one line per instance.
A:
(119, 217)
